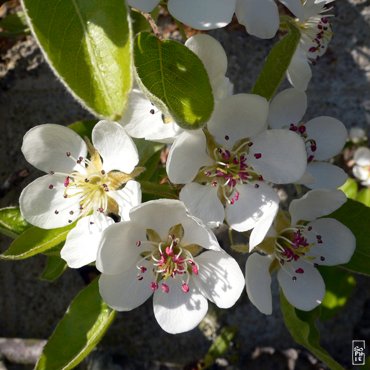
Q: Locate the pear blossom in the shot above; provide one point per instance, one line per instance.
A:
(357, 135)
(144, 120)
(324, 137)
(260, 17)
(316, 33)
(227, 169)
(294, 247)
(165, 252)
(361, 169)
(83, 179)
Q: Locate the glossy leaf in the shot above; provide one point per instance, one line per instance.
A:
(364, 197)
(174, 78)
(339, 287)
(356, 217)
(350, 188)
(34, 241)
(83, 128)
(80, 330)
(159, 190)
(54, 268)
(301, 326)
(88, 44)
(12, 223)
(276, 64)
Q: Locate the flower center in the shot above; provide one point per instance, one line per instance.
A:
(90, 185)
(169, 259)
(229, 169)
(291, 245)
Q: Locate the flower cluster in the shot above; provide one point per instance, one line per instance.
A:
(225, 172)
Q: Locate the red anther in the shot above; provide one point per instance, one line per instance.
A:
(299, 270)
(66, 181)
(153, 286)
(165, 288)
(185, 288)
(257, 155)
(143, 269)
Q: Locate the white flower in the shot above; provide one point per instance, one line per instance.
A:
(361, 169)
(226, 171)
(76, 186)
(295, 247)
(165, 251)
(260, 17)
(357, 135)
(316, 34)
(144, 120)
(324, 138)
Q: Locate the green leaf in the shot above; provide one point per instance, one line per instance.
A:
(80, 330)
(88, 44)
(175, 79)
(350, 188)
(147, 149)
(34, 241)
(14, 24)
(55, 266)
(301, 326)
(159, 190)
(339, 286)
(364, 197)
(356, 217)
(151, 168)
(276, 64)
(12, 223)
(219, 347)
(83, 128)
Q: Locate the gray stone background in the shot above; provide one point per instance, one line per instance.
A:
(29, 308)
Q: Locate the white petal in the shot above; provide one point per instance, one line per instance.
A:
(299, 71)
(296, 7)
(176, 311)
(362, 156)
(287, 107)
(325, 176)
(260, 231)
(329, 134)
(187, 155)
(118, 251)
(81, 246)
(124, 292)
(357, 134)
(115, 147)
(47, 208)
(202, 201)
(143, 5)
(238, 116)
(254, 204)
(127, 198)
(203, 14)
(210, 52)
(222, 88)
(316, 203)
(45, 147)
(142, 119)
(260, 17)
(307, 291)
(362, 173)
(220, 278)
(160, 215)
(284, 157)
(338, 242)
(258, 282)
